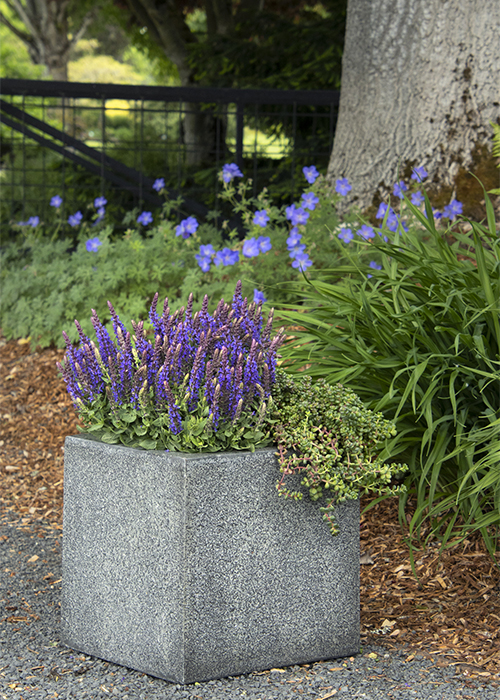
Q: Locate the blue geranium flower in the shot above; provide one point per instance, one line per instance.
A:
(342, 186)
(187, 227)
(203, 261)
(299, 217)
(451, 210)
(399, 188)
(159, 184)
(419, 174)
(294, 237)
(226, 256)
(346, 234)
(310, 173)
(261, 218)
(56, 201)
(250, 248)
(75, 219)
(309, 200)
(417, 198)
(100, 202)
(207, 250)
(366, 232)
(230, 171)
(92, 245)
(302, 262)
(258, 297)
(145, 218)
(33, 221)
(264, 243)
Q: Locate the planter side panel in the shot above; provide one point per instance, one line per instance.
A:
(265, 578)
(123, 555)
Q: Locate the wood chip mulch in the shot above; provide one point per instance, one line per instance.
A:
(451, 614)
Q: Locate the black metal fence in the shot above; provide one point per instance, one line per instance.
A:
(83, 140)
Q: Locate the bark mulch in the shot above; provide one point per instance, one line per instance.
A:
(451, 614)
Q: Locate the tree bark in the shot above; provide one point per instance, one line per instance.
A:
(420, 84)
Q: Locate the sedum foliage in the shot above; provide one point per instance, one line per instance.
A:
(326, 434)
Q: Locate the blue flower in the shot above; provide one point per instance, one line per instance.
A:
(207, 250)
(250, 248)
(346, 234)
(226, 256)
(295, 250)
(342, 186)
(302, 262)
(258, 297)
(374, 266)
(56, 201)
(366, 232)
(204, 262)
(417, 198)
(310, 173)
(100, 202)
(261, 218)
(451, 210)
(309, 200)
(289, 211)
(159, 184)
(230, 171)
(75, 219)
(187, 227)
(33, 221)
(299, 217)
(264, 243)
(92, 245)
(145, 218)
(381, 210)
(419, 174)
(399, 188)
(294, 237)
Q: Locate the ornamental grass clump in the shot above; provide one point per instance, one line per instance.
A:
(199, 382)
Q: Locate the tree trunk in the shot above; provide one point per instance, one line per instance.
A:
(420, 84)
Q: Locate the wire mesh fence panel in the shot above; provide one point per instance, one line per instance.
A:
(81, 141)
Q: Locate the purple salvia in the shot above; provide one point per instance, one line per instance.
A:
(173, 411)
(116, 321)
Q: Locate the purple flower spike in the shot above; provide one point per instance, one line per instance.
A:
(342, 186)
(159, 184)
(310, 173)
(145, 218)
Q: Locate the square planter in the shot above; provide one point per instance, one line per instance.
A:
(190, 567)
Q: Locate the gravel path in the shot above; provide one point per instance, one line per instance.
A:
(34, 664)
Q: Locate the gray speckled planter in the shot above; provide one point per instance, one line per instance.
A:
(190, 567)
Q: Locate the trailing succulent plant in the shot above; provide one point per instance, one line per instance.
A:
(201, 383)
(326, 434)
